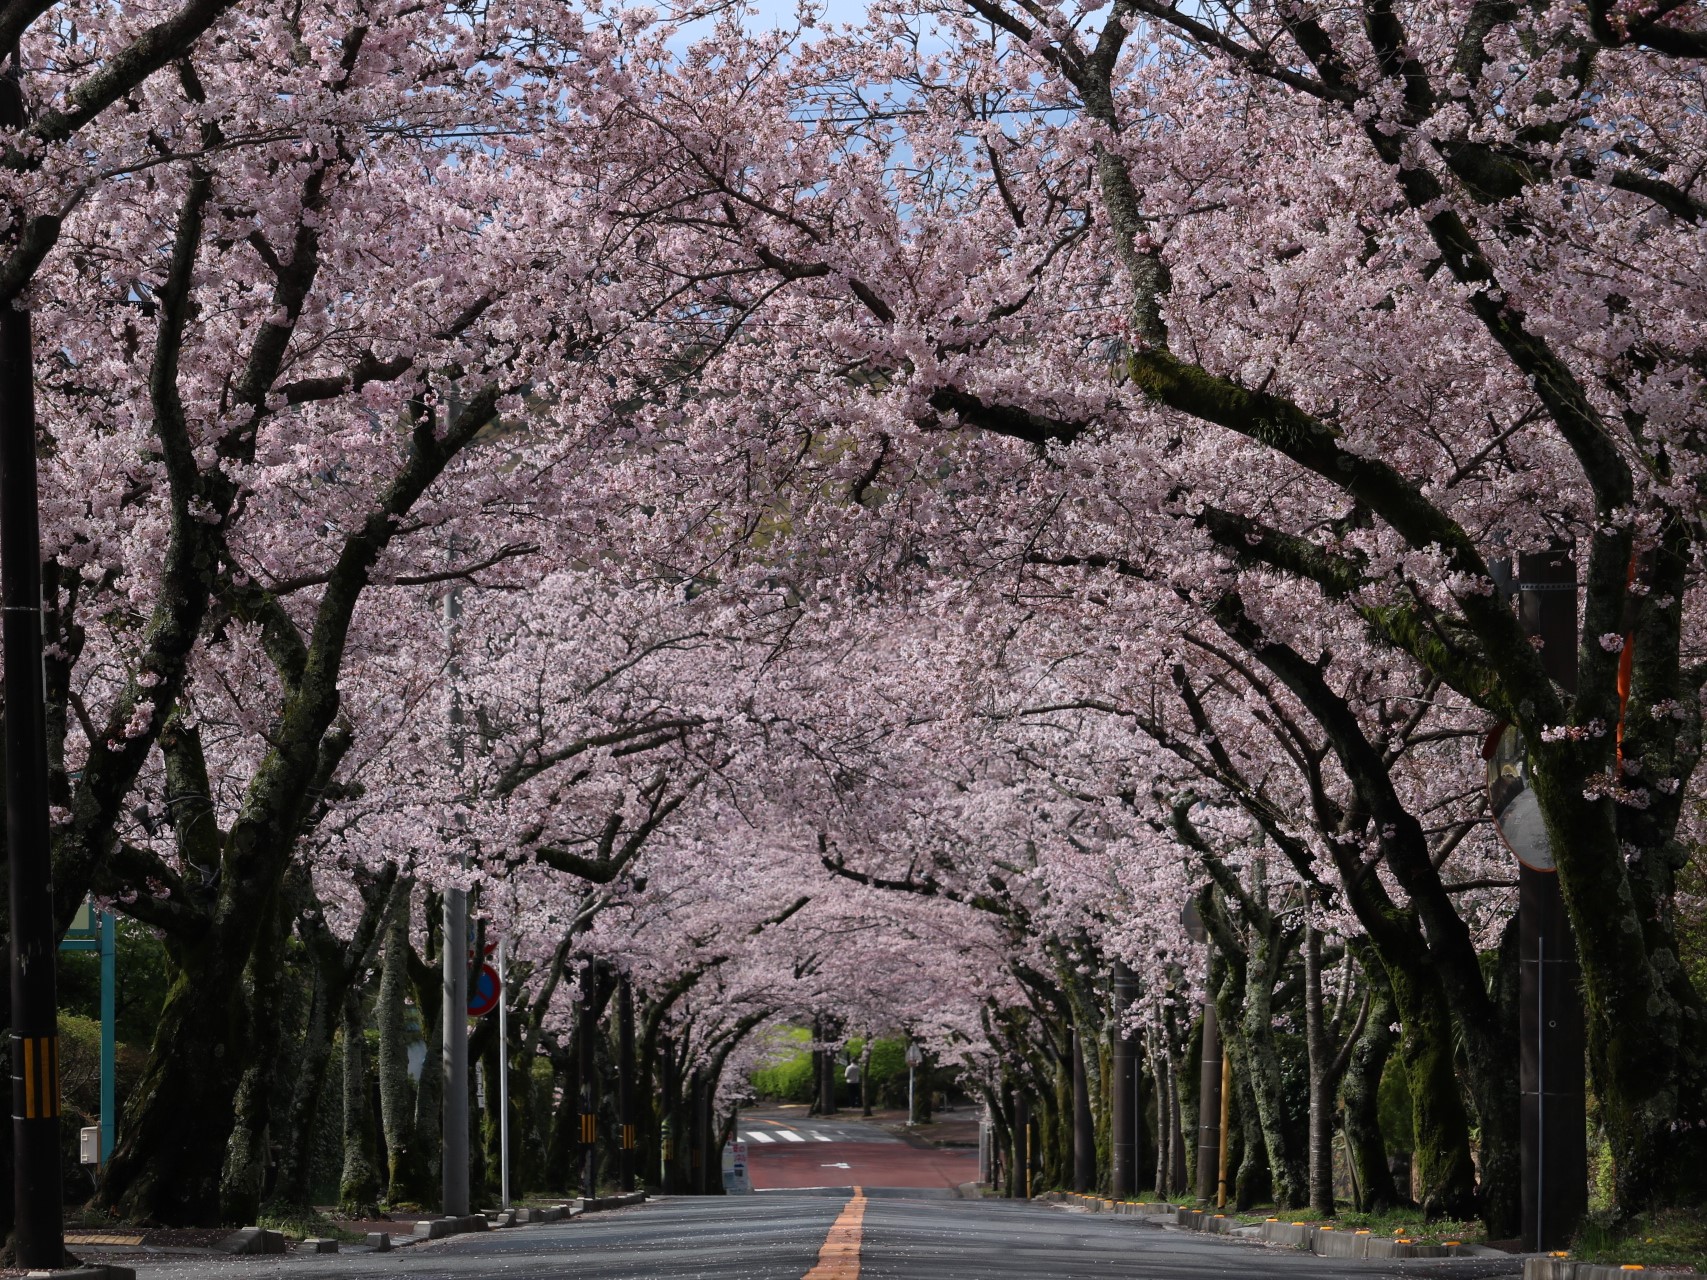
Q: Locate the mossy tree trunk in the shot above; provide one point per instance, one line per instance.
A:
(406, 1175)
(1366, 1146)
(242, 1180)
(359, 1184)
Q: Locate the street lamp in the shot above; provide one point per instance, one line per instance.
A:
(40, 1240)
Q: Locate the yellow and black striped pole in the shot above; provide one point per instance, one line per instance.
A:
(587, 1034)
(40, 1240)
(625, 1084)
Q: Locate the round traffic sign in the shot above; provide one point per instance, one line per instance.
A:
(483, 995)
(1517, 812)
(1191, 920)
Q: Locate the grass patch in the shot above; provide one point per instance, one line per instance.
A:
(1406, 1223)
(1675, 1239)
(1411, 1225)
(303, 1224)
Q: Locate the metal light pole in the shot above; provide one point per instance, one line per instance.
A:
(454, 1164)
(914, 1057)
(625, 1084)
(1554, 1126)
(1124, 1120)
(589, 1083)
(1209, 1079)
(455, 1049)
(503, 1078)
(1084, 1131)
(35, 1004)
(1209, 1106)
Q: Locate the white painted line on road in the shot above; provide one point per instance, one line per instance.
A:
(756, 1136)
(791, 1135)
(823, 1137)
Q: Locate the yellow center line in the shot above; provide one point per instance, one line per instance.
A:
(839, 1258)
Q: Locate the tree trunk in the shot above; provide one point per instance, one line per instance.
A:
(1321, 1144)
(296, 1141)
(427, 1139)
(1253, 1184)
(1261, 1061)
(1164, 1131)
(359, 1185)
(406, 1177)
(168, 1161)
(1366, 1148)
(243, 1178)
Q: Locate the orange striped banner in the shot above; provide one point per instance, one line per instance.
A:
(39, 1058)
(838, 1259)
(628, 1138)
(589, 1128)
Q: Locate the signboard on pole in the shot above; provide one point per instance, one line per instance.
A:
(483, 996)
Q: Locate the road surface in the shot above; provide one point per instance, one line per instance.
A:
(834, 1199)
(786, 1149)
(783, 1236)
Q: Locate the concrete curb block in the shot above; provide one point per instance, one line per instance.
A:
(554, 1214)
(249, 1240)
(101, 1271)
(1102, 1204)
(379, 1241)
(439, 1228)
(596, 1204)
(315, 1244)
(1539, 1267)
(1328, 1242)
(1215, 1224)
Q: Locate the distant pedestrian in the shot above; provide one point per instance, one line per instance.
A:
(852, 1074)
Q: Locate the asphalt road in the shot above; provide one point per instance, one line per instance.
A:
(786, 1149)
(779, 1236)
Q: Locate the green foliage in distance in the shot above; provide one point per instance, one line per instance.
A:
(142, 975)
(888, 1070)
(787, 1077)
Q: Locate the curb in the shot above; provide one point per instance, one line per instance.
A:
(1323, 1240)
(599, 1203)
(246, 1240)
(1327, 1242)
(496, 1219)
(1545, 1267)
(1102, 1204)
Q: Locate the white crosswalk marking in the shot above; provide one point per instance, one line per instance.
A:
(823, 1137)
(791, 1135)
(758, 1136)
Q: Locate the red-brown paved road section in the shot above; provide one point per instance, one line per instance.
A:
(844, 1151)
(869, 1164)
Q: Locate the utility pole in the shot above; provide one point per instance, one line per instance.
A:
(455, 1050)
(1209, 1079)
(35, 1003)
(669, 1177)
(589, 1082)
(1126, 1115)
(625, 1083)
(503, 1077)
(1554, 1128)
(454, 1045)
(1209, 1107)
(1084, 1131)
